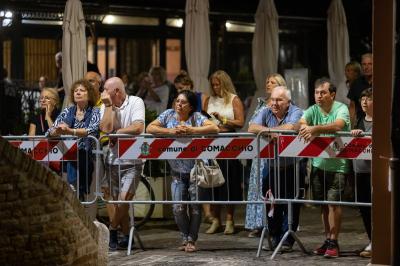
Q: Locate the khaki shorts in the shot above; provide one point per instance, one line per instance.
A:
(328, 186)
(121, 178)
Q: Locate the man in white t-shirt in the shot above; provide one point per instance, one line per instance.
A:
(120, 114)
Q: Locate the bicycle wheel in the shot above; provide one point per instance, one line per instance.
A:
(143, 212)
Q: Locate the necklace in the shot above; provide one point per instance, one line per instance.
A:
(80, 114)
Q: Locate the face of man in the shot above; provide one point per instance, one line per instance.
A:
(323, 97)
(111, 89)
(279, 102)
(94, 79)
(366, 65)
(181, 87)
(42, 82)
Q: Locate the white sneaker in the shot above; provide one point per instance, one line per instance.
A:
(367, 252)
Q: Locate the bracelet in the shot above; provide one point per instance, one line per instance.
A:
(108, 105)
(224, 120)
(74, 131)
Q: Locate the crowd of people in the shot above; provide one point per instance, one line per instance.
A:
(117, 106)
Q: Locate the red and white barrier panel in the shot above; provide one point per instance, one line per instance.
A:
(197, 148)
(48, 150)
(326, 147)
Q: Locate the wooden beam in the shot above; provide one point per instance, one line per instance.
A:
(383, 50)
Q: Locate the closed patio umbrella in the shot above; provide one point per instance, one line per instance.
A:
(338, 48)
(197, 42)
(265, 49)
(73, 46)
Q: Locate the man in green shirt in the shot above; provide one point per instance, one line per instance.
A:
(328, 176)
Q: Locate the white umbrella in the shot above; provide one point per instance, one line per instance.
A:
(73, 46)
(338, 47)
(197, 42)
(265, 49)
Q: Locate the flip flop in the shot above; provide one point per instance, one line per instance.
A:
(190, 247)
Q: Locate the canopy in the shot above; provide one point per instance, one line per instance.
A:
(197, 42)
(73, 46)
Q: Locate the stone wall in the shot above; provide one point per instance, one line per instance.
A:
(41, 221)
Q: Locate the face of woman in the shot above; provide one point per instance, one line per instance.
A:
(350, 73)
(45, 99)
(182, 106)
(270, 84)
(81, 95)
(216, 86)
(145, 82)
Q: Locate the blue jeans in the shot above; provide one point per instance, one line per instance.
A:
(84, 169)
(188, 223)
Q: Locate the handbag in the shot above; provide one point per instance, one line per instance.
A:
(207, 176)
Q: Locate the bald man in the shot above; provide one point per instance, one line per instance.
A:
(95, 79)
(120, 114)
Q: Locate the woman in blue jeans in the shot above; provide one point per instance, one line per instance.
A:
(184, 120)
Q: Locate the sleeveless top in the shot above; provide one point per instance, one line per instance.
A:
(217, 104)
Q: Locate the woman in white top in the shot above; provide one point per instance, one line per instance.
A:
(227, 109)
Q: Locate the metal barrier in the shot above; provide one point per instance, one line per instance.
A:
(291, 146)
(60, 154)
(286, 147)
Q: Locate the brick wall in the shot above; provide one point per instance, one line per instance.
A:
(41, 222)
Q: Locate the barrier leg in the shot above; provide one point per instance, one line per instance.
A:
(264, 231)
(289, 232)
(133, 232)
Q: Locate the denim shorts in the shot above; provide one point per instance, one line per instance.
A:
(327, 185)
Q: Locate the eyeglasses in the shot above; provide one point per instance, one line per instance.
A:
(181, 102)
(41, 98)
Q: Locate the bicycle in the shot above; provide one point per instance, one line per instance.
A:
(144, 192)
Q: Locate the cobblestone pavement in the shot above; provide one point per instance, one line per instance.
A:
(161, 240)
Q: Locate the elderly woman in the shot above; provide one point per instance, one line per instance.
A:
(254, 212)
(227, 109)
(49, 103)
(183, 120)
(80, 119)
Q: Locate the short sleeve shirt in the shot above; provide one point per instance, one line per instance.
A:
(265, 117)
(159, 107)
(315, 116)
(169, 119)
(131, 111)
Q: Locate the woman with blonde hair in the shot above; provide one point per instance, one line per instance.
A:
(255, 212)
(227, 110)
(49, 110)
